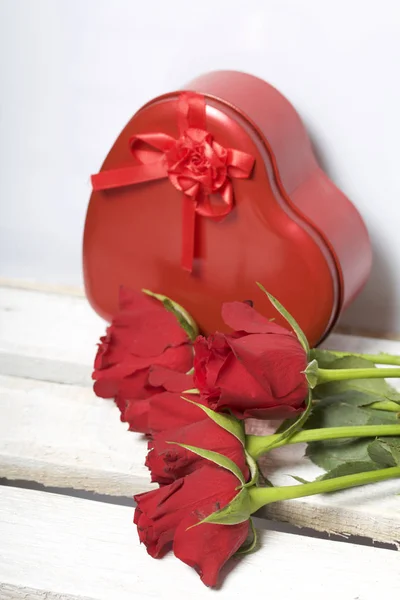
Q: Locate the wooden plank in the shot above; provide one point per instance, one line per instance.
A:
(39, 286)
(64, 436)
(50, 336)
(47, 336)
(68, 546)
(61, 435)
(17, 592)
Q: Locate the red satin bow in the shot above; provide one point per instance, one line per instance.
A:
(194, 163)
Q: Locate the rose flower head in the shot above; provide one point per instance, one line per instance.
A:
(255, 371)
(170, 456)
(143, 334)
(199, 485)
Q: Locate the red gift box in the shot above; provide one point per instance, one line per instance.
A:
(210, 189)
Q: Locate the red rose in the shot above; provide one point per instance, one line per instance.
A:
(141, 335)
(161, 409)
(165, 515)
(256, 371)
(168, 462)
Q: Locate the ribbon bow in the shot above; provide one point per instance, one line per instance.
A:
(194, 163)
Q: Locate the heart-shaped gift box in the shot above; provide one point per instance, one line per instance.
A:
(210, 189)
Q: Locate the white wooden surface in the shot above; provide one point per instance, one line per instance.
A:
(47, 335)
(62, 435)
(84, 548)
(56, 432)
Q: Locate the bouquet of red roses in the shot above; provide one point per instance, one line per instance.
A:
(191, 396)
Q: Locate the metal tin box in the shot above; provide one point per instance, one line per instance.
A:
(287, 225)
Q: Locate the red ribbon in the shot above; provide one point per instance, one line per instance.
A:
(194, 163)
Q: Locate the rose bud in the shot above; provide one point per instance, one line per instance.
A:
(141, 335)
(256, 371)
(167, 460)
(168, 514)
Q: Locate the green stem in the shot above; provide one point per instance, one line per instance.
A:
(326, 375)
(260, 497)
(256, 445)
(379, 359)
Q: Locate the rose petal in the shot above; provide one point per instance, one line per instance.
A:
(172, 381)
(169, 411)
(201, 353)
(136, 413)
(110, 383)
(275, 412)
(240, 316)
(168, 459)
(160, 512)
(176, 359)
(240, 392)
(179, 359)
(155, 532)
(207, 547)
(277, 362)
(210, 356)
(143, 326)
(156, 465)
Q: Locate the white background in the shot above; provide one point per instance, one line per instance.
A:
(74, 71)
